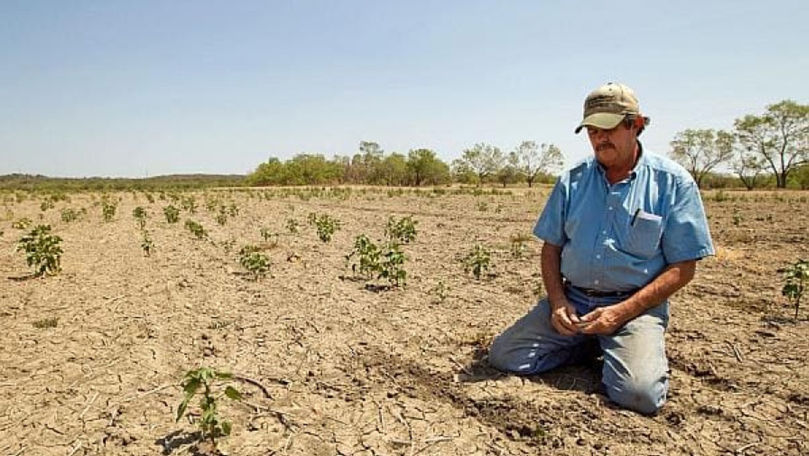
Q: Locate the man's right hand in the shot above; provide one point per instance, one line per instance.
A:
(564, 318)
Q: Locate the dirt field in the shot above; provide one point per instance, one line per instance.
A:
(347, 370)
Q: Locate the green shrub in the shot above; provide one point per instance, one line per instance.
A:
(292, 226)
(326, 226)
(43, 250)
(196, 229)
(255, 262)
(108, 209)
(140, 215)
(796, 278)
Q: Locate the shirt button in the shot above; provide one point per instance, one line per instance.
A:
(595, 282)
(610, 208)
(604, 232)
(598, 257)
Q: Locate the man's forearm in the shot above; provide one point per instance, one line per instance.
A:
(658, 290)
(552, 273)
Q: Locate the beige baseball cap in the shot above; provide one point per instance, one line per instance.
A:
(607, 106)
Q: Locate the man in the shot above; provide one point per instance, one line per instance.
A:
(622, 232)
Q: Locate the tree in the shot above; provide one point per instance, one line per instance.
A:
(425, 168)
(269, 173)
(700, 151)
(780, 137)
(482, 159)
(748, 166)
(393, 169)
(531, 160)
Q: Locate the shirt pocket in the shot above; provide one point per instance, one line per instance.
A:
(645, 230)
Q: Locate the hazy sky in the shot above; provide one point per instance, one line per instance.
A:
(136, 88)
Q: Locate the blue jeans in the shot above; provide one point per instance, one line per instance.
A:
(635, 372)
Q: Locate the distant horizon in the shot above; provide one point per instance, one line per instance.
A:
(153, 88)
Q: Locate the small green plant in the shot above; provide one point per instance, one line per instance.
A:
(401, 231)
(196, 229)
(477, 261)
(483, 206)
(221, 216)
(255, 262)
(440, 291)
(21, 224)
(147, 244)
(293, 226)
(172, 214)
(108, 209)
(268, 235)
(796, 278)
(46, 323)
(367, 254)
(737, 219)
(149, 197)
(42, 249)
(392, 265)
(210, 423)
(69, 215)
(189, 203)
(140, 215)
(233, 210)
(46, 204)
(518, 246)
(326, 226)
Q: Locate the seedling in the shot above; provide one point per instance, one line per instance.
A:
(196, 229)
(392, 265)
(518, 245)
(46, 204)
(147, 244)
(140, 215)
(189, 203)
(108, 209)
(228, 245)
(172, 214)
(292, 226)
(326, 226)
(402, 231)
(210, 423)
(70, 215)
(42, 250)
(440, 291)
(796, 277)
(222, 216)
(477, 261)
(256, 263)
(368, 255)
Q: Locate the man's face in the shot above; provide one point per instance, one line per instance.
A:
(614, 147)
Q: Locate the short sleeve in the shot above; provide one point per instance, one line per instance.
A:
(551, 224)
(686, 235)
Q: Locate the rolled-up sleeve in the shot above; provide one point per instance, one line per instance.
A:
(686, 235)
(551, 224)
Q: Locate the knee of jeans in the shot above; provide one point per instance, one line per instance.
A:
(646, 397)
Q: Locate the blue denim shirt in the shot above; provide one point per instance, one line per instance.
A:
(619, 237)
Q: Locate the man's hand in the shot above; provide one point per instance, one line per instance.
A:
(602, 320)
(564, 318)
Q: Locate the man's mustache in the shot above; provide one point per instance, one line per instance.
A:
(603, 146)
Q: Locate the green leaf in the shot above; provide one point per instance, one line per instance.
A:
(232, 393)
(191, 387)
(181, 409)
(226, 427)
(224, 375)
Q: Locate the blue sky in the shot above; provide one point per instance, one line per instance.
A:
(136, 88)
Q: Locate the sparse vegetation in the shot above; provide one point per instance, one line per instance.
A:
(796, 277)
(326, 226)
(477, 261)
(196, 229)
(172, 214)
(140, 216)
(401, 231)
(255, 262)
(46, 323)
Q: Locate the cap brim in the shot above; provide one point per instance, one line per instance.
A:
(602, 120)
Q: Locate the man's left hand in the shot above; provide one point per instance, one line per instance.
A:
(603, 320)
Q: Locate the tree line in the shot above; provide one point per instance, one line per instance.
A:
(483, 163)
(770, 146)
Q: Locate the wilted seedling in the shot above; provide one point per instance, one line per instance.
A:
(196, 229)
(172, 214)
(401, 231)
(440, 291)
(478, 261)
(292, 226)
(518, 246)
(147, 244)
(140, 215)
(46, 323)
(210, 423)
(42, 249)
(796, 278)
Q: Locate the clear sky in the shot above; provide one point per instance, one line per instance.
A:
(136, 88)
